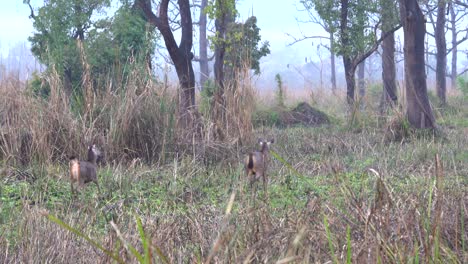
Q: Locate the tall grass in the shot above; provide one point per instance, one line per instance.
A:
(335, 194)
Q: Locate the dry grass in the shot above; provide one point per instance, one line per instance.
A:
(399, 202)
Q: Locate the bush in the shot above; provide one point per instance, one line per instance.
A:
(463, 86)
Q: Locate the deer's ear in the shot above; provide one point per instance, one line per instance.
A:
(272, 140)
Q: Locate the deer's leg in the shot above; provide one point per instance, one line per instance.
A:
(265, 183)
(97, 184)
(71, 187)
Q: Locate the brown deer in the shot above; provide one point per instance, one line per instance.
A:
(256, 163)
(84, 172)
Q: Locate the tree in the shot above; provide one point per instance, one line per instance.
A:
(223, 12)
(244, 49)
(84, 50)
(361, 80)
(356, 24)
(418, 109)
(203, 43)
(61, 26)
(121, 41)
(441, 65)
(441, 48)
(457, 14)
(329, 24)
(389, 18)
(180, 54)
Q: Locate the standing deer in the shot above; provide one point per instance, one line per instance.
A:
(256, 164)
(84, 172)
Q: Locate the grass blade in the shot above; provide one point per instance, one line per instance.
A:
(85, 237)
(330, 242)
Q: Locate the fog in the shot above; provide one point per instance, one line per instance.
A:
(305, 64)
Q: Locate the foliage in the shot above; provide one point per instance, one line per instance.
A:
(243, 45)
(58, 25)
(358, 35)
(242, 40)
(121, 40)
(38, 86)
(280, 90)
(110, 43)
(216, 8)
(207, 96)
(463, 86)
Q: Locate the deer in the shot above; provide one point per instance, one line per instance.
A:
(256, 163)
(84, 172)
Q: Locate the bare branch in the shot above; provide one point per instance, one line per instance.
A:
(376, 45)
(32, 15)
(465, 5)
(296, 40)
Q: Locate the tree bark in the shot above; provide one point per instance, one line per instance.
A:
(332, 62)
(221, 24)
(350, 68)
(418, 109)
(389, 94)
(361, 80)
(453, 22)
(180, 54)
(204, 70)
(441, 57)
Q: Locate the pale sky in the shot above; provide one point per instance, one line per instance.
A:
(274, 20)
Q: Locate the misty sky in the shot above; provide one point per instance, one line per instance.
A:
(275, 19)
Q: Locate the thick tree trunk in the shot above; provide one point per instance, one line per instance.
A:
(453, 75)
(332, 62)
(441, 56)
(350, 70)
(204, 70)
(418, 110)
(389, 93)
(180, 54)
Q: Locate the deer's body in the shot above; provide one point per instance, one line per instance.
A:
(256, 163)
(83, 172)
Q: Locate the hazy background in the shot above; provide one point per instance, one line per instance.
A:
(302, 65)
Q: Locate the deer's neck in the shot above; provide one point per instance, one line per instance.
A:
(92, 156)
(264, 149)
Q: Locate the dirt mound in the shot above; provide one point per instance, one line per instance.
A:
(304, 114)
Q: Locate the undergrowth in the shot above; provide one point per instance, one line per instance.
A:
(336, 193)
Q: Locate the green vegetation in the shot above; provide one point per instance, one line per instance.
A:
(323, 197)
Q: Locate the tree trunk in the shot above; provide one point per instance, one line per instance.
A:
(218, 108)
(349, 66)
(204, 70)
(350, 70)
(441, 65)
(453, 22)
(361, 80)
(418, 110)
(180, 54)
(389, 94)
(332, 62)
